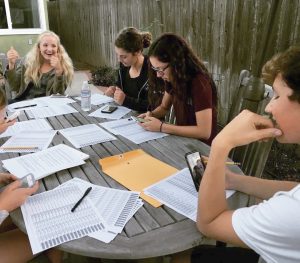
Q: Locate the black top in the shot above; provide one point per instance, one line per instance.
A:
(136, 89)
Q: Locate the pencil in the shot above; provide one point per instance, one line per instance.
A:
(228, 163)
(19, 148)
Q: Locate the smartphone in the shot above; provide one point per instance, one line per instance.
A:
(13, 116)
(109, 109)
(196, 167)
(138, 119)
(27, 181)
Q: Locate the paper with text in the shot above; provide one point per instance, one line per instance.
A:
(32, 125)
(115, 206)
(85, 135)
(97, 99)
(19, 142)
(49, 221)
(178, 192)
(131, 130)
(46, 162)
(50, 101)
(25, 105)
(117, 114)
(45, 112)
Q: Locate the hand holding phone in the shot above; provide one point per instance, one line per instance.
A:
(13, 116)
(109, 109)
(196, 167)
(140, 120)
(27, 181)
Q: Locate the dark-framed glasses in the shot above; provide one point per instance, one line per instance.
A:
(160, 70)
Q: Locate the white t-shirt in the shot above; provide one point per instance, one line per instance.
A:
(272, 228)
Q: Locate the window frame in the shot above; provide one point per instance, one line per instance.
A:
(25, 31)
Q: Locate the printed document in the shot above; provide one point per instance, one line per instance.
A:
(50, 101)
(46, 162)
(28, 142)
(85, 135)
(117, 114)
(131, 130)
(50, 222)
(115, 206)
(97, 99)
(178, 192)
(25, 105)
(45, 112)
(32, 125)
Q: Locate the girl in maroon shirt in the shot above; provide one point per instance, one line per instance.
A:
(187, 86)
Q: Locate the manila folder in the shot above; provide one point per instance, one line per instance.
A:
(137, 170)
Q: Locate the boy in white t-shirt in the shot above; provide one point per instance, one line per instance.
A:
(271, 228)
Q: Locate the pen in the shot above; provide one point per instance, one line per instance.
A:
(228, 163)
(19, 148)
(32, 105)
(80, 200)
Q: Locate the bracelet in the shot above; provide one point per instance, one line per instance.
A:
(161, 124)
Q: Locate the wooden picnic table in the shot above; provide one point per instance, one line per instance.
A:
(152, 231)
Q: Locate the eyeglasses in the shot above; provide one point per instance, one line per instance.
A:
(160, 70)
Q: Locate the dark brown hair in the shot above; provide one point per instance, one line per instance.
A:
(287, 64)
(184, 66)
(132, 40)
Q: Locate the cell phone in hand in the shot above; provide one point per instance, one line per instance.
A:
(13, 116)
(27, 181)
(138, 119)
(196, 167)
(109, 109)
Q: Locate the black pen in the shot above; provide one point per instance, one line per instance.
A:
(32, 105)
(80, 200)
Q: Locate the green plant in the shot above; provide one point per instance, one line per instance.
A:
(104, 76)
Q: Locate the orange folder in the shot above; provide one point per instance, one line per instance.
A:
(137, 170)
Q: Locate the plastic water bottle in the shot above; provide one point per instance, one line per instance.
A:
(85, 97)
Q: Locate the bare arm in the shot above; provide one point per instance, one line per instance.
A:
(200, 131)
(260, 188)
(214, 219)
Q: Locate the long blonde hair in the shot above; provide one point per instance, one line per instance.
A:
(34, 60)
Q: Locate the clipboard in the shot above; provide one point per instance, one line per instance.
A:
(137, 170)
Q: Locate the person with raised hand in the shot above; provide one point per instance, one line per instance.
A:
(270, 228)
(131, 89)
(47, 69)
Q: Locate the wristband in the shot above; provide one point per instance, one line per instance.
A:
(161, 124)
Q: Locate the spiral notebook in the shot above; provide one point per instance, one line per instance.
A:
(85, 135)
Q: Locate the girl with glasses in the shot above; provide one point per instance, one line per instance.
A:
(186, 85)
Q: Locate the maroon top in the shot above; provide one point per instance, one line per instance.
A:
(201, 97)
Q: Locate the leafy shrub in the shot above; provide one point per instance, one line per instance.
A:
(104, 76)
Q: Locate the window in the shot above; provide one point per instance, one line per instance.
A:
(22, 17)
